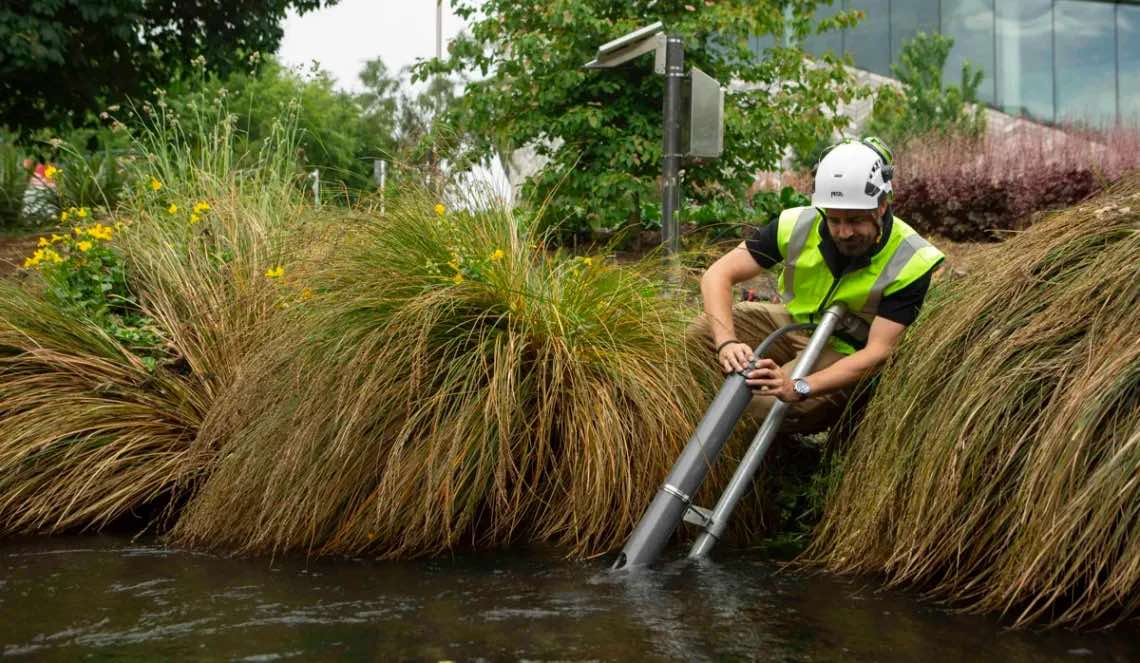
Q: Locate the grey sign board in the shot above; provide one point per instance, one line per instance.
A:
(702, 128)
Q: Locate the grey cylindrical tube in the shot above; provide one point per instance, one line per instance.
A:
(668, 507)
(741, 479)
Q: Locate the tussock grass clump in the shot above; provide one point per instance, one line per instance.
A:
(445, 383)
(87, 432)
(209, 221)
(998, 462)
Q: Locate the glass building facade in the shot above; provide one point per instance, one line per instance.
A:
(1051, 60)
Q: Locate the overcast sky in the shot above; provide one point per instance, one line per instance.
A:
(343, 37)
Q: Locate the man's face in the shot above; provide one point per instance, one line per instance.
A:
(854, 231)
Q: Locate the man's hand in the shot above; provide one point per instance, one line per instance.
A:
(769, 379)
(735, 357)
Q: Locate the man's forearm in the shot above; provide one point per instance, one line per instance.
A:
(847, 371)
(716, 293)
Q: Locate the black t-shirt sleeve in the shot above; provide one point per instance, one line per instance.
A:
(903, 306)
(763, 245)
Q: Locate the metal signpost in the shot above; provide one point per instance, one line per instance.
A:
(693, 113)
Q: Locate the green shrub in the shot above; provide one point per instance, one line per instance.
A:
(925, 105)
(85, 275)
(769, 204)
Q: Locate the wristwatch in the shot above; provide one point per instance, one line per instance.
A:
(801, 387)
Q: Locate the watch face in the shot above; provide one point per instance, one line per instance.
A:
(801, 387)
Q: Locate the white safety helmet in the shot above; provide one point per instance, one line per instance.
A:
(852, 175)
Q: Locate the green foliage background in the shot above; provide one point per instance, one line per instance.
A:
(334, 132)
(62, 61)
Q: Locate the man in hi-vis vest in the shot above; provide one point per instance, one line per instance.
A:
(847, 247)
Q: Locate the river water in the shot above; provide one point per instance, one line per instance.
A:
(110, 598)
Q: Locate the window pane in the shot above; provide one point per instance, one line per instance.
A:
(828, 41)
(1025, 57)
(1128, 52)
(971, 24)
(760, 43)
(1085, 46)
(869, 42)
(908, 18)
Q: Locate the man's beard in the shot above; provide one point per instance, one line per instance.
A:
(855, 247)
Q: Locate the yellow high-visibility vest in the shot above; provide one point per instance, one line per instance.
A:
(807, 286)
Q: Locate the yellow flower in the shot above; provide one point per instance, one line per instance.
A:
(173, 209)
(51, 172)
(79, 231)
(84, 245)
(201, 206)
(50, 254)
(587, 261)
(440, 209)
(457, 279)
(33, 260)
(275, 272)
(43, 242)
(454, 264)
(98, 231)
(63, 215)
(81, 213)
(497, 255)
(57, 238)
(155, 185)
(307, 294)
(194, 218)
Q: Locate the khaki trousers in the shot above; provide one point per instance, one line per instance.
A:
(753, 322)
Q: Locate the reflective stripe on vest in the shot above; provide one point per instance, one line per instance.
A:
(905, 251)
(800, 233)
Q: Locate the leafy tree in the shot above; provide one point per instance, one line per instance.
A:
(601, 130)
(391, 109)
(924, 105)
(61, 60)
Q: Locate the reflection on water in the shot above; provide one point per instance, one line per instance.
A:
(63, 598)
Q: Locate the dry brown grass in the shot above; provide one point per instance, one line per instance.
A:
(401, 413)
(88, 433)
(997, 464)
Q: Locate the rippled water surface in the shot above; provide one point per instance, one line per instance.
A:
(108, 598)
